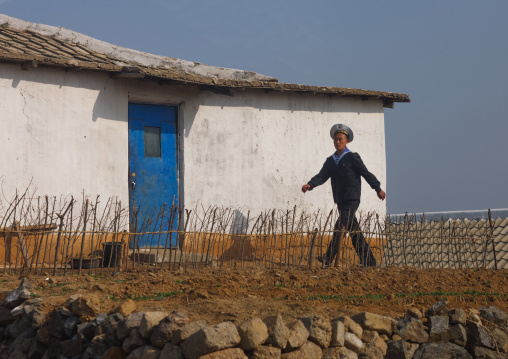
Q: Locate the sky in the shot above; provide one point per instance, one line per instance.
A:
(446, 150)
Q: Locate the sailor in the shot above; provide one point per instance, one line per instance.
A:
(345, 168)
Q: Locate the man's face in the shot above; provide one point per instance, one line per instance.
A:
(340, 141)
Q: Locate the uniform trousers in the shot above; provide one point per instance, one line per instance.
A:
(347, 222)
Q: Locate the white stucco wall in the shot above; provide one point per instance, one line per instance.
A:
(68, 132)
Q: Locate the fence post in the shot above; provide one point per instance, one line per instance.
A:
(492, 239)
(312, 242)
(341, 240)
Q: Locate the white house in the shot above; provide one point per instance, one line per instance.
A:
(81, 114)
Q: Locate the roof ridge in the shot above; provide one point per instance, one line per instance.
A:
(129, 55)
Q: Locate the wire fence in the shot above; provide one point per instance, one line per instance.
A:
(89, 236)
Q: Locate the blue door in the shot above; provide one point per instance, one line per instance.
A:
(153, 173)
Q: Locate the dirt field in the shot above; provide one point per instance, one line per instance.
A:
(234, 295)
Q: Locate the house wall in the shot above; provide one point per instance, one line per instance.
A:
(67, 132)
(62, 131)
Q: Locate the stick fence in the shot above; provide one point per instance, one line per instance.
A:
(90, 236)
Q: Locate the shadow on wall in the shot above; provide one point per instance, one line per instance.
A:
(279, 101)
(99, 83)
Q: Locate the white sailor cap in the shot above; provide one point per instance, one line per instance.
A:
(340, 128)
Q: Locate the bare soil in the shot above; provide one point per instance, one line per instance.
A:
(234, 295)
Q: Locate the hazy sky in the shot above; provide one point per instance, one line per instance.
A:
(446, 150)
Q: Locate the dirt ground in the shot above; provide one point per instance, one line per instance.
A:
(234, 295)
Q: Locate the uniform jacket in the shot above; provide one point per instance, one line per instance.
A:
(346, 179)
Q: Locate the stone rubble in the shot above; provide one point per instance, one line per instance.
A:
(79, 331)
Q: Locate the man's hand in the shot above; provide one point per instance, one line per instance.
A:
(381, 195)
(305, 188)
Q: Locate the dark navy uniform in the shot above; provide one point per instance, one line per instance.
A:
(346, 179)
(345, 173)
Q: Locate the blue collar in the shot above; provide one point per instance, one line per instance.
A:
(337, 158)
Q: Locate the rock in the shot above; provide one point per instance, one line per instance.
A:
(150, 352)
(278, 332)
(457, 335)
(186, 331)
(43, 335)
(100, 319)
(114, 353)
(17, 354)
(85, 305)
(350, 326)
(264, 352)
(414, 313)
(22, 341)
(36, 302)
(6, 317)
(337, 339)
(297, 336)
(162, 333)
(477, 337)
(130, 322)
(352, 342)
(70, 325)
(441, 350)
(307, 351)
(457, 316)
(111, 325)
(18, 295)
(54, 350)
(18, 310)
(148, 321)
(231, 353)
(397, 349)
(211, 339)
(501, 339)
(370, 321)
(412, 330)
(16, 328)
(86, 330)
(372, 337)
(136, 353)
(69, 348)
(65, 312)
(484, 353)
(96, 348)
(411, 349)
(133, 341)
(339, 353)
(171, 351)
(179, 318)
(253, 333)
(125, 308)
(38, 317)
(320, 330)
(475, 318)
(438, 330)
(36, 350)
(436, 307)
(438, 324)
(494, 315)
(370, 351)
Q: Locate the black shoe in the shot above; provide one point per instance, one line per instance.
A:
(324, 261)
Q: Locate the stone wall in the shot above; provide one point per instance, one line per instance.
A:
(78, 330)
